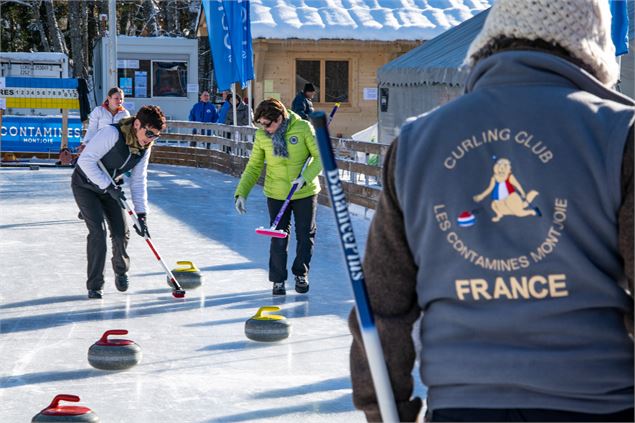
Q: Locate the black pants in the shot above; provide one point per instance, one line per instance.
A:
(304, 211)
(523, 415)
(94, 208)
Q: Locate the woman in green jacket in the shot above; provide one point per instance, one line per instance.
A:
(285, 142)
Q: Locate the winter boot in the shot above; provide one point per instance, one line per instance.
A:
(121, 282)
(278, 289)
(94, 294)
(301, 284)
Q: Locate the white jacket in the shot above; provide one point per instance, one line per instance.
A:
(100, 117)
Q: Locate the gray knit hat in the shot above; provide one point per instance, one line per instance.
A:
(582, 27)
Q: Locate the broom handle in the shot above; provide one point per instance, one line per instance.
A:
(294, 187)
(274, 225)
(135, 220)
(123, 203)
(370, 337)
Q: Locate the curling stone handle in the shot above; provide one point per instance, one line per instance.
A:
(190, 266)
(104, 337)
(62, 397)
(263, 310)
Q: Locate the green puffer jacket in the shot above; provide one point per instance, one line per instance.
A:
(281, 171)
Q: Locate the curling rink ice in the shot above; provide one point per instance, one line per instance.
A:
(197, 364)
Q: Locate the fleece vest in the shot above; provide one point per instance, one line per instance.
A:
(117, 161)
(510, 196)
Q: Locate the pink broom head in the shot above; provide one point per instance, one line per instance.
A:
(274, 233)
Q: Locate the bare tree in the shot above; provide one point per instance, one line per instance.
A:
(57, 39)
(127, 12)
(151, 18)
(90, 21)
(41, 25)
(174, 23)
(77, 51)
(20, 2)
(36, 24)
(193, 9)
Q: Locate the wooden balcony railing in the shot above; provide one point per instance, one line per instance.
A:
(227, 148)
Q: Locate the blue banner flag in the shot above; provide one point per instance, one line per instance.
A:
(619, 26)
(239, 23)
(225, 68)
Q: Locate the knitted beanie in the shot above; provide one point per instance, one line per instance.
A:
(582, 27)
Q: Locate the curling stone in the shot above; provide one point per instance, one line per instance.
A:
(114, 354)
(65, 413)
(34, 167)
(267, 327)
(189, 277)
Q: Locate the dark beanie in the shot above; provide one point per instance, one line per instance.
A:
(308, 87)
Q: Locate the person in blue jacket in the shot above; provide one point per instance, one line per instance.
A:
(203, 111)
(224, 108)
(302, 104)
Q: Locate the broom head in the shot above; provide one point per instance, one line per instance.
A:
(274, 233)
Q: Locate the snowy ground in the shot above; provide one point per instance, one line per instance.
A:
(197, 365)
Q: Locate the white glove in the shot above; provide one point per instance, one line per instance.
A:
(299, 181)
(239, 203)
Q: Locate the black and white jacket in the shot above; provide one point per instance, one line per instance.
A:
(110, 147)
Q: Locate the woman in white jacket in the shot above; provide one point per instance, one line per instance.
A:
(111, 111)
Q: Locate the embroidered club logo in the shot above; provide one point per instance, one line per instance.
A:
(466, 219)
(293, 140)
(508, 197)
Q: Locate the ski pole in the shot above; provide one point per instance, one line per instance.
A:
(372, 344)
(177, 290)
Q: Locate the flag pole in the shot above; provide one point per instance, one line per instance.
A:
(234, 101)
(249, 94)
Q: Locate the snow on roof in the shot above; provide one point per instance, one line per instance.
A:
(378, 20)
(32, 57)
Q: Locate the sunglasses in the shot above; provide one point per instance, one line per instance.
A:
(266, 125)
(151, 135)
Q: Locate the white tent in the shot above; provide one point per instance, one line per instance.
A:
(369, 134)
(431, 75)
(425, 77)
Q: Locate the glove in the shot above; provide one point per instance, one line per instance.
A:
(239, 203)
(116, 192)
(299, 181)
(143, 229)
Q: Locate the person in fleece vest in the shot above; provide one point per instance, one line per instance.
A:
(519, 316)
(121, 147)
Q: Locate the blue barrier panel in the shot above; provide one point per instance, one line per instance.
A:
(38, 134)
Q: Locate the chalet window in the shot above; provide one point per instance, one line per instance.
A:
(308, 71)
(336, 81)
(330, 78)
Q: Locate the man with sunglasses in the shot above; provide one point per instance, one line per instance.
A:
(121, 147)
